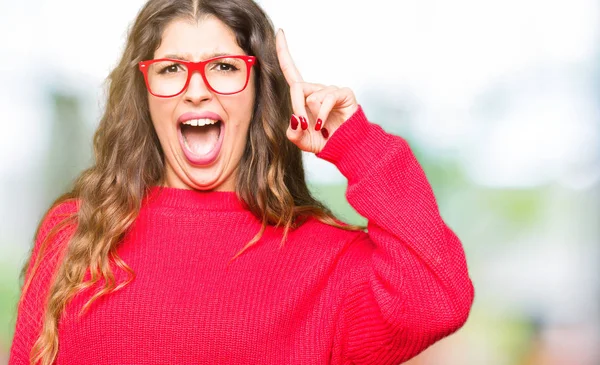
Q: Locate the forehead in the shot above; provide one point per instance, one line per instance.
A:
(194, 41)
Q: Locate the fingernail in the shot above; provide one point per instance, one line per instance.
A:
(318, 125)
(325, 133)
(294, 122)
(303, 123)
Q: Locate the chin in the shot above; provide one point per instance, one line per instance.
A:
(208, 180)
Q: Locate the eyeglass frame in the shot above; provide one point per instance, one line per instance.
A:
(193, 67)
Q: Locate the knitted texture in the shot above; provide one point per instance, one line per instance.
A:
(328, 296)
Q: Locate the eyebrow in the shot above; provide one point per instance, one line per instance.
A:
(187, 58)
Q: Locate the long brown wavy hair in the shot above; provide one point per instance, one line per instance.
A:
(129, 160)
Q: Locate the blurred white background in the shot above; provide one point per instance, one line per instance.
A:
(499, 99)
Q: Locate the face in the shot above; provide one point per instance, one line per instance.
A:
(201, 157)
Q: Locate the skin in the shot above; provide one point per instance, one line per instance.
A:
(197, 41)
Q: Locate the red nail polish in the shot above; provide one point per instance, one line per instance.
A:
(303, 123)
(325, 133)
(319, 124)
(294, 122)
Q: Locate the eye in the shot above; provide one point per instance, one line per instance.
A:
(171, 68)
(225, 67)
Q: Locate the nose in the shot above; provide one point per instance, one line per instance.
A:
(197, 90)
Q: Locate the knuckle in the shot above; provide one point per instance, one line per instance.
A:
(348, 91)
(292, 135)
(331, 97)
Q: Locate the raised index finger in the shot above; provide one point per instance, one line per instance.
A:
(286, 63)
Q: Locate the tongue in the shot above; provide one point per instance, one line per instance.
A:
(201, 140)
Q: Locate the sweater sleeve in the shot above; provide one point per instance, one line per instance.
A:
(413, 287)
(32, 303)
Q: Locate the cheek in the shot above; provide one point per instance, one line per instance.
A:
(160, 112)
(239, 111)
(240, 108)
(246, 104)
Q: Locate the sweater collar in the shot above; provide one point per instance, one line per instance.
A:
(194, 199)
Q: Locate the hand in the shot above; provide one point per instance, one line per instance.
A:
(327, 105)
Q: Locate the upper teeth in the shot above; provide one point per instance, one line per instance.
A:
(200, 122)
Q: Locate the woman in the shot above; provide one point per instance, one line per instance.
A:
(198, 160)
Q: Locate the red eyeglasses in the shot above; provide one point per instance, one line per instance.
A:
(168, 77)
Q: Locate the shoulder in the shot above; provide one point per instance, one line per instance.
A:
(51, 238)
(59, 221)
(61, 210)
(318, 232)
(350, 250)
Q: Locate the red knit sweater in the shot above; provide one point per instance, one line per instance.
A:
(328, 296)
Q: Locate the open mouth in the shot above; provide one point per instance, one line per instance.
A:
(201, 140)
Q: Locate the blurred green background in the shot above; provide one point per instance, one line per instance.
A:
(498, 99)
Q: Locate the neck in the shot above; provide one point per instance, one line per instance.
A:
(194, 199)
